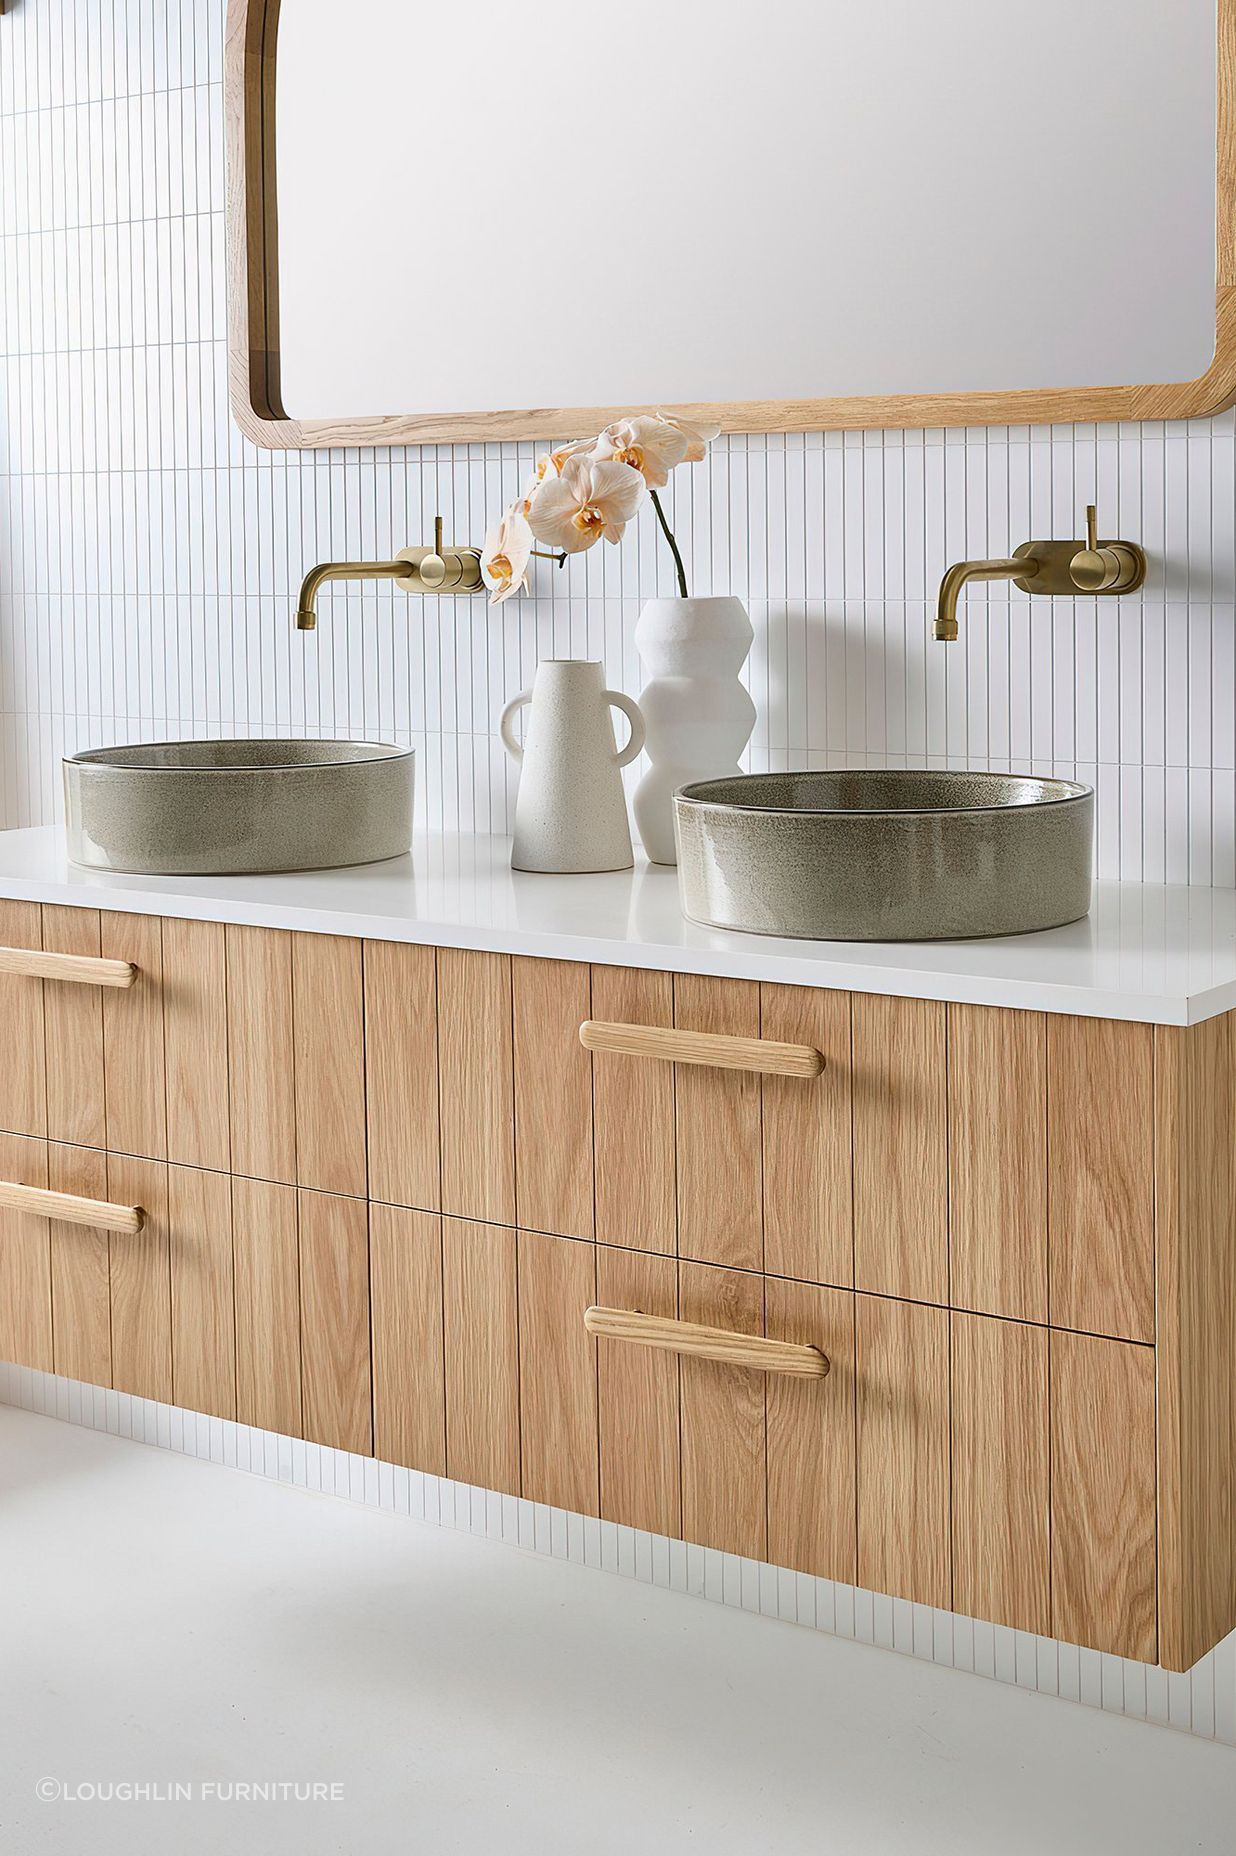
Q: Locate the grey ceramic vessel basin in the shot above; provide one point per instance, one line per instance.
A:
(209, 808)
(885, 856)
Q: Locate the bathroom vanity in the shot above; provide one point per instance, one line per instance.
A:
(936, 1241)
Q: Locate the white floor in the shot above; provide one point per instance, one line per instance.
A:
(172, 1625)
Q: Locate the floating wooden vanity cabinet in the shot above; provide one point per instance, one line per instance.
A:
(937, 1299)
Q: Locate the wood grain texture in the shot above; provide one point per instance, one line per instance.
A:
(720, 1158)
(199, 1226)
(80, 1268)
(329, 1038)
(1103, 1495)
(900, 1147)
(1001, 1473)
(66, 968)
(261, 1055)
(70, 1210)
(1100, 1182)
(266, 1262)
(751, 1351)
(253, 319)
(902, 1372)
(1195, 1218)
(195, 1042)
(475, 1067)
(401, 1074)
(633, 1114)
(997, 1134)
(763, 1056)
(23, 1084)
(141, 1282)
(25, 1261)
(637, 1392)
(335, 1356)
(553, 1096)
(482, 1354)
(812, 1494)
(808, 1173)
(134, 1073)
(409, 1382)
(724, 1472)
(557, 1373)
(73, 1020)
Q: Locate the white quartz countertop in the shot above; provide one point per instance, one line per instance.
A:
(1155, 953)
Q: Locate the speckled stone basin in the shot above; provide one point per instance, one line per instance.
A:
(885, 856)
(210, 808)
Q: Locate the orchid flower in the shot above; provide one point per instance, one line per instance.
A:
(591, 498)
(508, 548)
(649, 444)
(698, 437)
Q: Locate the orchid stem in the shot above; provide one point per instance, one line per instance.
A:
(544, 554)
(669, 536)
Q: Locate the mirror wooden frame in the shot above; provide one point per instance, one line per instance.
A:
(253, 311)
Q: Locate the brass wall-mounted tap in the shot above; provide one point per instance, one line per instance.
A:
(417, 570)
(1063, 567)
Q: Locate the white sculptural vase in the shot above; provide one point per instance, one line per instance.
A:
(697, 714)
(571, 810)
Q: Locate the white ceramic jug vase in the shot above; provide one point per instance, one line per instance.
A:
(571, 812)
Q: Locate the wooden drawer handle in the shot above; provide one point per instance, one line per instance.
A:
(85, 969)
(71, 1210)
(763, 1356)
(724, 1053)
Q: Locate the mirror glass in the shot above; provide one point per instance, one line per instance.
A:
(484, 206)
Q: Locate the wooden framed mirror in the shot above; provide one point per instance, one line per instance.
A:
(510, 223)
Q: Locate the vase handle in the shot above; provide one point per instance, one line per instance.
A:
(631, 709)
(513, 747)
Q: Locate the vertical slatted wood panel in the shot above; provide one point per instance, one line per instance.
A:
(476, 1085)
(401, 1074)
(261, 1056)
(266, 1261)
(903, 1450)
(23, 1085)
(900, 1148)
(195, 1039)
(1195, 1219)
(1000, 1473)
(720, 1161)
(997, 1133)
(81, 1274)
(1100, 1096)
(812, 1521)
(334, 1322)
(641, 1481)
(633, 1102)
(133, 1059)
(199, 1222)
(1103, 1495)
(482, 1354)
(557, 1372)
(329, 1039)
(25, 1261)
(141, 1283)
(409, 1384)
(73, 1017)
(553, 1096)
(724, 1478)
(808, 1174)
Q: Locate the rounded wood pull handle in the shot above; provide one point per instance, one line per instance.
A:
(751, 1350)
(67, 1207)
(84, 969)
(724, 1053)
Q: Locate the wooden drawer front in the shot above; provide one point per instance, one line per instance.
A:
(25, 1260)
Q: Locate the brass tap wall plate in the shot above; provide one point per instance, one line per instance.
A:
(1055, 559)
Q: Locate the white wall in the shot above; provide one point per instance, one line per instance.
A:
(149, 557)
(149, 560)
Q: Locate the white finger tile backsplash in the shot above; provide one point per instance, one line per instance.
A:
(149, 556)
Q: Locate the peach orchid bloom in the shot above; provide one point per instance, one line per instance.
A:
(649, 444)
(508, 547)
(698, 437)
(591, 498)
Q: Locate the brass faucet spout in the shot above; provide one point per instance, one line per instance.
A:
(306, 605)
(1023, 568)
